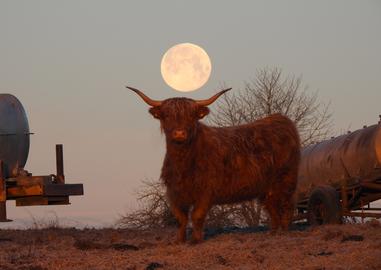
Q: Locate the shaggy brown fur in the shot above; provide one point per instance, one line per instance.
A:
(205, 165)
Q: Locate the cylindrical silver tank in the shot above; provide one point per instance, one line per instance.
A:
(14, 135)
(352, 157)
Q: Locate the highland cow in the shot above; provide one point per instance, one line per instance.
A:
(205, 165)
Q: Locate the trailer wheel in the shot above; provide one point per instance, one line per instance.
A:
(324, 206)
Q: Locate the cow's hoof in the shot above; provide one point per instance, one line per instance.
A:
(179, 241)
(275, 231)
(195, 241)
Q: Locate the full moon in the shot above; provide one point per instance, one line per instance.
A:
(186, 67)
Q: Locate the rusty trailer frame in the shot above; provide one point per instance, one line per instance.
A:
(354, 200)
(28, 190)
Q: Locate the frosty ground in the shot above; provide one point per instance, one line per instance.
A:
(350, 246)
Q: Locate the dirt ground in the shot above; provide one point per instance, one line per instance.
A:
(351, 246)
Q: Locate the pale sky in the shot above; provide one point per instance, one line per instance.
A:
(68, 62)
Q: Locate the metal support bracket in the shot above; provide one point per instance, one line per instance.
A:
(3, 196)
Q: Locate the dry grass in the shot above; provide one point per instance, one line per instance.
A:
(352, 246)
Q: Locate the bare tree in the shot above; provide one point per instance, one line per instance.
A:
(268, 93)
(154, 211)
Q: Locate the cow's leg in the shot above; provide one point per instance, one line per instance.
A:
(287, 205)
(287, 198)
(272, 207)
(181, 214)
(199, 213)
(287, 212)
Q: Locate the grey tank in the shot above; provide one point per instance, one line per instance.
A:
(351, 157)
(14, 135)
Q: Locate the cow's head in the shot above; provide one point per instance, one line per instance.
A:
(179, 116)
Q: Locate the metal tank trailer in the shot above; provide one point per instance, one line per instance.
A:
(15, 182)
(340, 177)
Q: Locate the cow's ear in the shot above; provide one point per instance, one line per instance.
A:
(155, 111)
(202, 112)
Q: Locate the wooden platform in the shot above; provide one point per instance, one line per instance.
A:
(40, 190)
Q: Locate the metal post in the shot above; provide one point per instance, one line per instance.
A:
(344, 197)
(362, 211)
(3, 195)
(59, 163)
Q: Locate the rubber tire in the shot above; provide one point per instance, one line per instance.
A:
(324, 206)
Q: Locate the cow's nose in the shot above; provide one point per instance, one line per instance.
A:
(179, 134)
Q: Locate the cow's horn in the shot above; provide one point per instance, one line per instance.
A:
(209, 101)
(149, 101)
